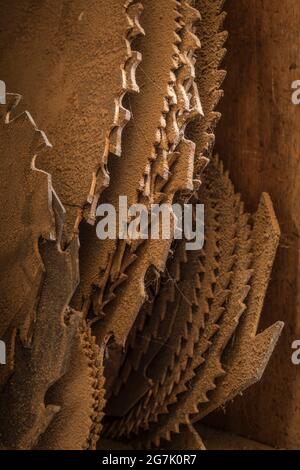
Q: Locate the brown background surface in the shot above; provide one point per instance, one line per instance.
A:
(259, 140)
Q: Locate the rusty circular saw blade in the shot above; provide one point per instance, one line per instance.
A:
(172, 313)
(55, 397)
(26, 216)
(40, 358)
(58, 60)
(156, 77)
(162, 248)
(146, 257)
(197, 338)
(225, 227)
(208, 79)
(195, 290)
(193, 387)
(209, 74)
(80, 395)
(179, 176)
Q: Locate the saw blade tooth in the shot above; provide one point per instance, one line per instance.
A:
(135, 29)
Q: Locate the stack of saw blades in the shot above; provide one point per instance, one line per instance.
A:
(121, 340)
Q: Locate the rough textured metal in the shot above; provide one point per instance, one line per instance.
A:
(80, 395)
(55, 55)
(187, 439)
(101, 261)
(208, 79)
(178, 153)
(26, 215)
(30, 406)
(209, 75)
(176, 330)
(215, 371)
(220, 300)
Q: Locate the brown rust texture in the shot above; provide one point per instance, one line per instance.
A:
(177, 342)
(259, 140)
(44, 340)
(26, 216)
(209, 73)
(221, 293)
(154, 77)
(55, 54)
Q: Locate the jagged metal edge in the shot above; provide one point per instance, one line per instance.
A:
(121, 115)
(213, 116)
(91, 350)
(183, 60)
(166, 432)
